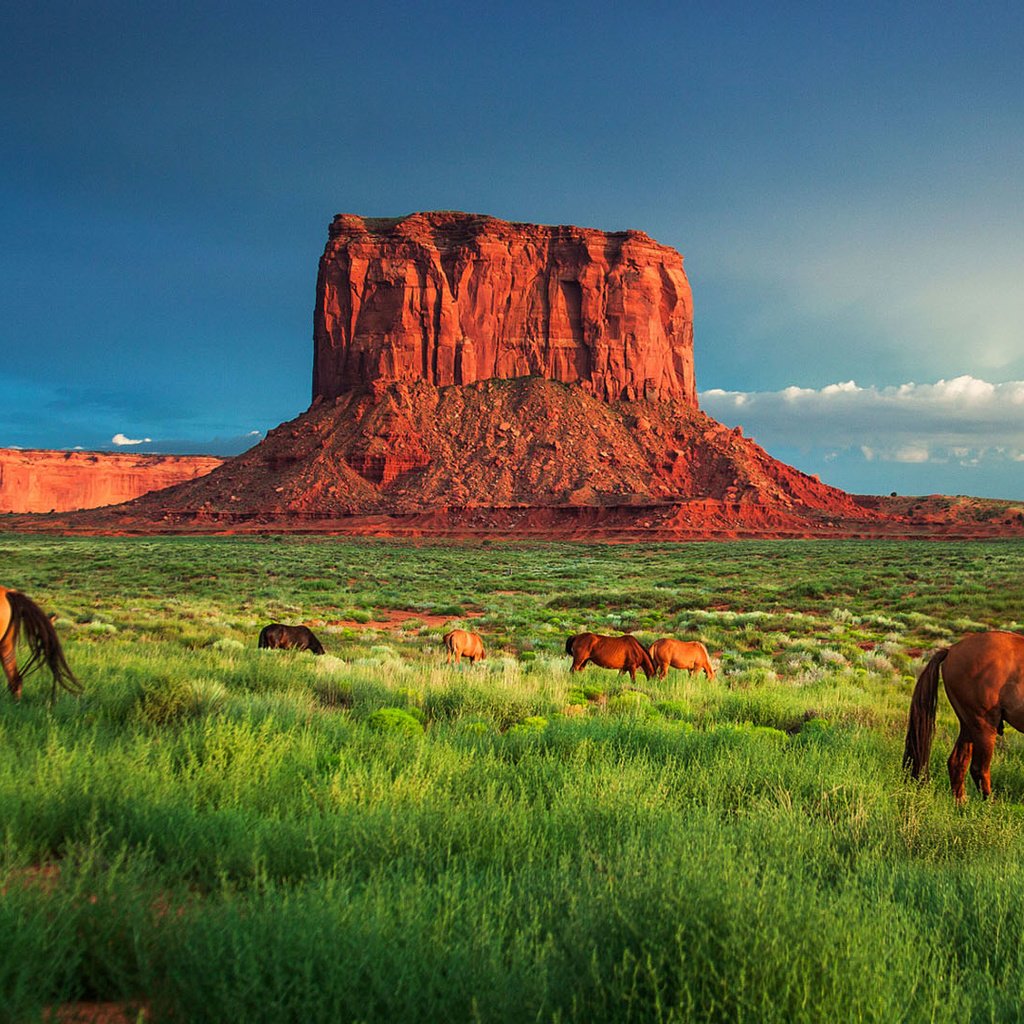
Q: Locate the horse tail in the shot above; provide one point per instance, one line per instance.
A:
(921, 724)
(568, 646)
(29, 620)
(264, 640)
(708, 670)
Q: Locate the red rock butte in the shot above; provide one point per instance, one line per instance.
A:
(473, 376)
(454, 298)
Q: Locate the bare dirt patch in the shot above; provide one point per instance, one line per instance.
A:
(395, 619)
(35, 876)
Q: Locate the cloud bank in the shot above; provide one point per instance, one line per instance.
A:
(964, 420)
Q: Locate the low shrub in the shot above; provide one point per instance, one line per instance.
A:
(394, 720)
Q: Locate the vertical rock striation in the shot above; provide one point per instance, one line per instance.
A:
(454, 298)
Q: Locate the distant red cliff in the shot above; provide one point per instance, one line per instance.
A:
(35, 480)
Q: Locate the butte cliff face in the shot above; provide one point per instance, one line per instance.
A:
(451, 298)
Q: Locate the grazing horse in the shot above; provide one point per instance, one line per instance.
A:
(460, 643)
(20, 616)
(298, 638)
(984, 679)
(690, 655)
(622, 652)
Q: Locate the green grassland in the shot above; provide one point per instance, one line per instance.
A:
(373, 835)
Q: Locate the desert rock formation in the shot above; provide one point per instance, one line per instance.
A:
(60, 481)
(475, 377)
(451, 298)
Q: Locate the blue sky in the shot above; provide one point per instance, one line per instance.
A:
(846, 183)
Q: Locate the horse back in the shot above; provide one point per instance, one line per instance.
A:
(986, 669)
(581, 644)
(621, 652)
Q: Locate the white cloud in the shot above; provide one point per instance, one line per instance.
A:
(120, 440)
(911, 453)
(964, 418)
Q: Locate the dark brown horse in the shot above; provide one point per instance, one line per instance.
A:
(298, 638)
(20, 618)
(984, 679)
(622, 652)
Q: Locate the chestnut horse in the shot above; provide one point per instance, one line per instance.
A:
(20, 616)
(460, 643)
(625, 653)
(690, 655)
(984, 679)
(279, 637)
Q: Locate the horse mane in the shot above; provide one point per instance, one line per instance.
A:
(29, 620)
(645, 659)
(921, 723)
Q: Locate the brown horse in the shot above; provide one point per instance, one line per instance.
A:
(280, 637)
(984, 679)
(460, 643)
(690, 655)
(622, 652)
(20, 616)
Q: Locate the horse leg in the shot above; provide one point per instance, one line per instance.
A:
(577, 664)
(981, 761)
(957, 764)
(10, 666)
(631, 669)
